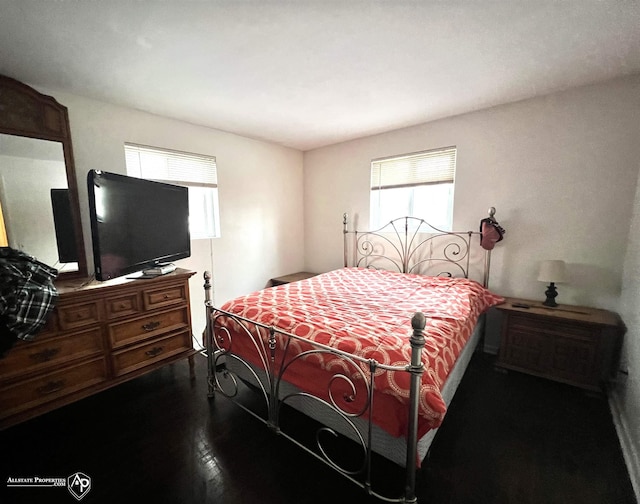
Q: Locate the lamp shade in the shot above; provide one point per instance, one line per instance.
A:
(552, 271)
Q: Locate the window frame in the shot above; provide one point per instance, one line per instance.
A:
(433, 167)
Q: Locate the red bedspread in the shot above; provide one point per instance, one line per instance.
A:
(368, 313)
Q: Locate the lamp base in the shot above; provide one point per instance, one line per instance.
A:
(551, 294)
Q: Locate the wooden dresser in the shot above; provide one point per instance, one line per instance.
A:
(98, 336)
(577, 345)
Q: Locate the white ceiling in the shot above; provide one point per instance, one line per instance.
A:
(310, 73)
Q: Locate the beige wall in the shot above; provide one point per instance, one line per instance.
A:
(561, 171)
(260, 193)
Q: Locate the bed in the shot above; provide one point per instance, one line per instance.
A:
(372, 351)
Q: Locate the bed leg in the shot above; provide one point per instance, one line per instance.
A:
(418, 323)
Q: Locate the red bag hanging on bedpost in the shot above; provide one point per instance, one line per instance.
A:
(490, 233)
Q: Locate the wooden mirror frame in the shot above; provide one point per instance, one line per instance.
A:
(28, 113)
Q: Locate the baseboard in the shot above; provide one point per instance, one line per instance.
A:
(629, 450)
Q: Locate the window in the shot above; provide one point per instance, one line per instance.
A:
(418, 185)
(195, 171)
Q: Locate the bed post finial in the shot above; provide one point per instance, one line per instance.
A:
(344, 237)
(207, 287)
(492, 212)
(418, 323)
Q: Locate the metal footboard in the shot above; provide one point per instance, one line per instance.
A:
(275, 354)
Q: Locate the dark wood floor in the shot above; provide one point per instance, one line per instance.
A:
(508, 438)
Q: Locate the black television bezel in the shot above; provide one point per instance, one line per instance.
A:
(92, 175)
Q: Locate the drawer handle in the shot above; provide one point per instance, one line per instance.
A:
(154, 351)
(151, 326)
(51, 387)
(46, 355)
(166, 296)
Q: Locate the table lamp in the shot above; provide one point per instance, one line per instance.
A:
(552, 271)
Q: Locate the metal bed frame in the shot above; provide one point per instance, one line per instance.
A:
(401, 245)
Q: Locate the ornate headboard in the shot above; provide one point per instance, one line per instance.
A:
(412, 245)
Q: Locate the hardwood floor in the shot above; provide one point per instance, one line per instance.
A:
(507, 438)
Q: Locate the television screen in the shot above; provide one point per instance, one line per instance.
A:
(136, 223)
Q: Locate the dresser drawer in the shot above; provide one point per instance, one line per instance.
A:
(129, 360)
(30, 393)
(78, 315)
(552, 327)
(31, 357)
(137, 330)
(165, 296)
(122, 306)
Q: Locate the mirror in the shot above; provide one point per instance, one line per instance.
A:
(28, 209)
(39, 211)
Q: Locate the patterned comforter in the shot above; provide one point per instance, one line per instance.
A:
(367, 313)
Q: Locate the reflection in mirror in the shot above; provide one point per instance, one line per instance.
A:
(34, 200)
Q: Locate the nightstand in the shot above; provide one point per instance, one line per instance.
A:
(577, 345)
(293, 277)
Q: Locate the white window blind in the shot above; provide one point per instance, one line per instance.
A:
(429, 167)
(417, 185)
(171, 166)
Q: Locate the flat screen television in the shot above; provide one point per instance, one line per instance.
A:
(135, 223)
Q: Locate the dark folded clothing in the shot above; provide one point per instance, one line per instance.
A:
(27, 293)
